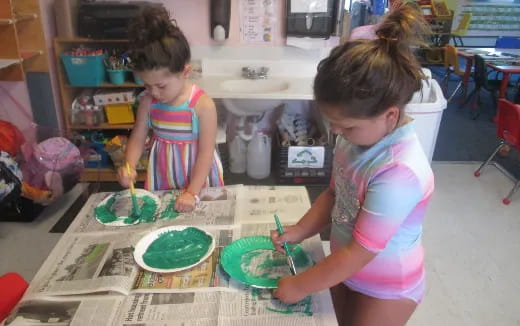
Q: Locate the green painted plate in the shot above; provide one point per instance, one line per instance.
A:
(173, 248)
(255, 262)
(115, 209)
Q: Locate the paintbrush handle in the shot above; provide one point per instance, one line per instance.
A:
(129, 171)
(282, 232)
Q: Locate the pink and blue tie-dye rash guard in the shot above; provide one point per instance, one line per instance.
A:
(381, 195)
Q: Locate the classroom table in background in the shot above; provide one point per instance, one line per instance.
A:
(506, 61)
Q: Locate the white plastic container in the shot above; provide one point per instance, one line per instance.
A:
(428, 115)
(259, 156)
(237, 155)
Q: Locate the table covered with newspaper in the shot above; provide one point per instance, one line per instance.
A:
(90, 277)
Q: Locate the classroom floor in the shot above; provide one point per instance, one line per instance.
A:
(471, 242)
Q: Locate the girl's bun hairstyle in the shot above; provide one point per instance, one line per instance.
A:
(366, 77)
(156, 41)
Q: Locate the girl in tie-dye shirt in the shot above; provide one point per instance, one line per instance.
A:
(381, 184)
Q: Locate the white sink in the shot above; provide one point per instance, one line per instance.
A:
(248, 107)
(255, 86)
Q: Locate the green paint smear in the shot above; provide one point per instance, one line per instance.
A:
(304, 306)
(176, 249)
(240, 258)
(169, 212)
(148, 208)
(103, 212)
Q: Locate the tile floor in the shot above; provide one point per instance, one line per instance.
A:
(471, 239)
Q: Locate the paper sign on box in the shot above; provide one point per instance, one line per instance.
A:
(306, 157)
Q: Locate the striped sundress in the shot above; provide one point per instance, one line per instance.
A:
(175, 146)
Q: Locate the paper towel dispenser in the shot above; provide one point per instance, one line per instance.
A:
(311, 18)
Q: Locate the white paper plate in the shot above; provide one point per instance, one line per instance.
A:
(147, 240)
(125, 197)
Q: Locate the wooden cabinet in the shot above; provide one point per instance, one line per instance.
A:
(22, 43)
(68, 93)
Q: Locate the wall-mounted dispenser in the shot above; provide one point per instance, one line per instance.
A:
(312, 18)
(220, 13)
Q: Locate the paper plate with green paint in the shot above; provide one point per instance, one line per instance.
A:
(254, 261)
(116, 208)
(173, 248)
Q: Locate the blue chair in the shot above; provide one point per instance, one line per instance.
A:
(507, 42)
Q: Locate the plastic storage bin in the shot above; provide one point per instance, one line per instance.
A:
(428, 115)
(88, 70)
(116, 77)
(119, 113)
(290, 175)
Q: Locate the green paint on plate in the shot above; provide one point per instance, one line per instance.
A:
(103, 212)
(107, 213)
(177, 249)
(254, 261)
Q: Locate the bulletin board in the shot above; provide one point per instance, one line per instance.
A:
(493, 18)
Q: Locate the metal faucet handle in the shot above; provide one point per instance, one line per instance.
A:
(263, 70)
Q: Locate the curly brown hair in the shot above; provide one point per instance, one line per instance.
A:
(156, 41)
(366, 77)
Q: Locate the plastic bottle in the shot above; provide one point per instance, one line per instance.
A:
(259, 156)
(237, 155)
(89, 116)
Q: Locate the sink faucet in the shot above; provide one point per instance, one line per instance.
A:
(250, 73)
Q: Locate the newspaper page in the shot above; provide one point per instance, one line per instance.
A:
(88, 263)
(216, 207)
(76, 311)
(259, 203)
(250, 306)
(206, 276)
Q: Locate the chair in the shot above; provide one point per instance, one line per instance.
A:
(451, 63)
(508, 130)
(480, 76)
(507, 42)
(462, 29)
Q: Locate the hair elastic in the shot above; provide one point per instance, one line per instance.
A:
(388, 38)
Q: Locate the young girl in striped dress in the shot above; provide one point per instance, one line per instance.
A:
(182, 118)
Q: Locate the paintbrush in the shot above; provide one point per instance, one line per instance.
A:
(288, 253)
(135, 205)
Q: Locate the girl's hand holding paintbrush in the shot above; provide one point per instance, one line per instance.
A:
(293, 234)
(126, 178)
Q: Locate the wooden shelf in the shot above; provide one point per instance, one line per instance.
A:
(68, 93)
(105, 175)
(87, 40)
(6, 21)
(26, 55)
(20, 17)
(18, 41)
(4, 63)
(103, 126)
(108, 85)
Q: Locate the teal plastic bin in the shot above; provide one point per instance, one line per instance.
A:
(88, 70)
(116, 77)
(137, 80)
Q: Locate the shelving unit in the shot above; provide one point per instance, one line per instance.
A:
(21, 38)
(68, 93)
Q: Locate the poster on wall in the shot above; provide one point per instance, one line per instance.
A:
(492, 18)
(257, 22)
